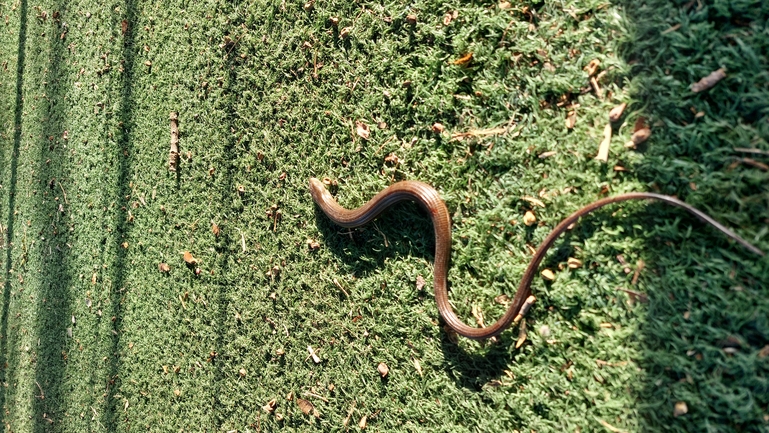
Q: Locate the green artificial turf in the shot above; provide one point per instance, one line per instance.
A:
(95, 337)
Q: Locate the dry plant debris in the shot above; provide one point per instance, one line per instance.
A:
(383, 369)
(173, 154)
(709, 81)
(616, 113)
(362, 130)
(603, 148)
(529, 218)
(571, 119)
(680, 408)
(189, 258)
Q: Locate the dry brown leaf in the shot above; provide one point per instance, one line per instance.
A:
(306, 407)
(753, 163)
(215, 229)
(163, 267)
(709, 81)
(420, 282)
(547, 154)
(392, 159)
(189, 259)
(362, 130)
(571, 119)
(270, 406)
(616, 113)
(313, 244)
(411, 19)
(502, 299)
(362, 422)
(641, 136)
(464, 60)
(603, 148)
(680, 408)
(345, 32)
(382, 369)
(763, 353)
(529, 218)
(574, 263)
(438, 128)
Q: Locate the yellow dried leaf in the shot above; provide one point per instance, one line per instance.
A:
(529, 218)
(603, 148)
(521, 335)
(270, 406)
(534, 201)
(571, 119)
(548, 274)
(680, 408)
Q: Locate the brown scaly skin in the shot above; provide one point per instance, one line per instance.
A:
(427, 197)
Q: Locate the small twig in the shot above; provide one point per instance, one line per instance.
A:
(640, 264)
(635, 295)
(525, 308)
(63, 192)
(173, 154)
(310, 394)
(753, 163)
(387, 244)
(504, 33)
(751, 150)
(477, 133)
(341, 288)
(42, 394)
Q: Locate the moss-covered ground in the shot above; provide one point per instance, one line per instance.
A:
(663, 311)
